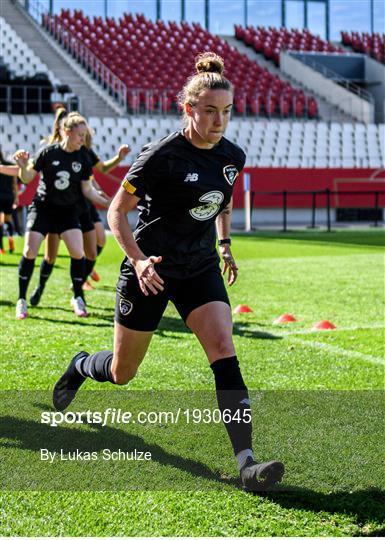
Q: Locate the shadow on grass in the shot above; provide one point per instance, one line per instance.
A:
(244, 329)
(80, 321)
(366, 505)
(363, 505)
(7, 303)
(106, 288)
(374, 238)
(31, 434)
(7, 263)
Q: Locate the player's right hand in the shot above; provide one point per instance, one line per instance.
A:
(149, 279)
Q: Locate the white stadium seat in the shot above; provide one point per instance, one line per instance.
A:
(267, 144)
(18, 56)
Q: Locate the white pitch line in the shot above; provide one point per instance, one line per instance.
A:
(306, 331)
(326, 346)
(339, 350)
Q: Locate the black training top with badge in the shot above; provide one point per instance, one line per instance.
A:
(6, 182)
(182, 190)
(62, 173)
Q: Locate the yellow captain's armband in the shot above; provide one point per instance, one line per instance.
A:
(128, 187)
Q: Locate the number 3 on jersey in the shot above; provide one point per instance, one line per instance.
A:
(62, 180)
(213, 201)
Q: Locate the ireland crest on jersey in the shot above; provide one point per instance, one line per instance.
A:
(230, 172)
(76, 166)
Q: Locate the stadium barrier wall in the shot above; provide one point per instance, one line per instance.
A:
(375, 77)
(353, 105)
(282, 197)
(274, 180)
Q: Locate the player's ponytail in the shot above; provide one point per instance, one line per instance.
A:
(55, 135)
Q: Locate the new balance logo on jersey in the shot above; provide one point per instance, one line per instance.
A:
(192, 177)
(55, 163)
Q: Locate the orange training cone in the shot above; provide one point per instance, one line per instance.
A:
(285, 318)
(324, 325)
(242, 308)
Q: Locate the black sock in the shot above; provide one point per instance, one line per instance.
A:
(99, 249)
(77, 273)
(26, 267)
(97, 366)
(16, 222)
(232, 396)
(88, 267)
(1, 236)
(9, 228)
(45, 272)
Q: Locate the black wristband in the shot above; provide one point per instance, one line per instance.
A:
(224, 242)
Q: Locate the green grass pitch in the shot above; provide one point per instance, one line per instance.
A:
(318, 400)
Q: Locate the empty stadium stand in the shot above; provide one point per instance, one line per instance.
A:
(19, 57)
(154, 59)
(271, 41)
(26, 84)
(88, 94)
(266, 143)
(370, 44)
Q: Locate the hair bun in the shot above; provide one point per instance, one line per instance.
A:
(209, 62)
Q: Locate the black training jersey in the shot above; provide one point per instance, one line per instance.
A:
(92, 156)
(182, 190)
(62, 174)
(6, 182)
(85, 204)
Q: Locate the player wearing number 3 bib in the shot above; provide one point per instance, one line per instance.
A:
(65, 176)
(183, 188)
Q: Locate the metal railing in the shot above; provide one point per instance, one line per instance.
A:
(377, 206)
(35, 8)
(25, 99)
(88, 60)
(332, 75)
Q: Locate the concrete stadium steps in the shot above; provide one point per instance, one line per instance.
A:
(327, 112)
(59, 62)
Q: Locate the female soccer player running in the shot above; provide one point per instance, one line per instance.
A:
(65, 172)
(8, 200)
(183, 186)
(90, 221)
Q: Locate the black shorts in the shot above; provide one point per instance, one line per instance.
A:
(136, 311)
(6, 203)
(86, 223)
(95, 217)
(51, 219)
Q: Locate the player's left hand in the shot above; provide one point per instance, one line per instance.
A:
(229, 264)
(123, 151)
(21, 157)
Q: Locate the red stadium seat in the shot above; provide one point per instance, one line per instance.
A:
(153, 58)
(370, 44)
